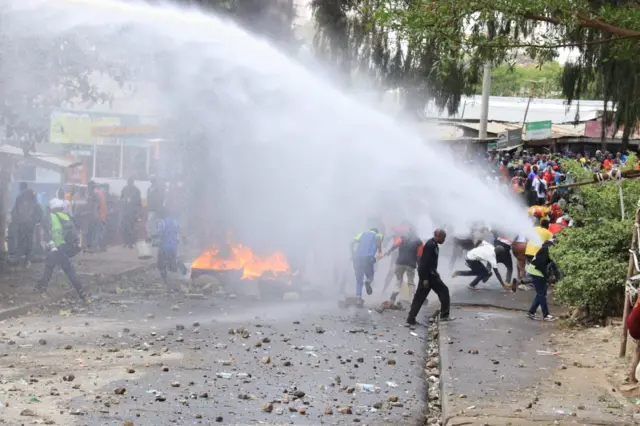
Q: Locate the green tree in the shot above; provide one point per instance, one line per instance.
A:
(352, 37)
(526, 80)
(594, 253)
(465, 34)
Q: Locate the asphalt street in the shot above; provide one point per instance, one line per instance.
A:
(226, 361)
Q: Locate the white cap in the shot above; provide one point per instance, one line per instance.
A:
(56, 203)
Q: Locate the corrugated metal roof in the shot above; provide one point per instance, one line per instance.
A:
(557, 130)
(511, 110)
(44, 159)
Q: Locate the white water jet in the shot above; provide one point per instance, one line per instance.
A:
(298, 162)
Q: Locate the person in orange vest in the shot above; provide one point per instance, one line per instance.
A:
(409, 250)
(397, 232)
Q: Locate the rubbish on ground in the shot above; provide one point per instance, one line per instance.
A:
(365, 387)
(223, 375)
(392, 384)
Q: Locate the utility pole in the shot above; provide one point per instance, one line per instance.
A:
(486, 88)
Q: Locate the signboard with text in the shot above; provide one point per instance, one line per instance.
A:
(76, 127)
(593, 129)
(509, 139)
(538, 130)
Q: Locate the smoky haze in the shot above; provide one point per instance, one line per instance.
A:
(284, 159)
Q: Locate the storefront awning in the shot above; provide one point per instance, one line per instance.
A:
(39, 159)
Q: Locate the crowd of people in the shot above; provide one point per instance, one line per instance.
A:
(58, 229)
(541, 182)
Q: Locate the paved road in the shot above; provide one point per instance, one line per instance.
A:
(289, 349)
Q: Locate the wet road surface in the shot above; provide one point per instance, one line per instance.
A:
(207, 362)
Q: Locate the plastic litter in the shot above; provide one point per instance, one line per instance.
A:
(365, 387)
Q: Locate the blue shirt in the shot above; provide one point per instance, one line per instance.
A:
(367, 244)
(168, 233)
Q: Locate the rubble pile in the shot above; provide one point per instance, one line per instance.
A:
(432, 375)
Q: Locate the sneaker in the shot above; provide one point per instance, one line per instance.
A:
(367, 285)
(532, 316)
(394, 296)
(485, 279)
(549, 318)
(472, 287)
(446, 319)
(514, 285)
(410, 324)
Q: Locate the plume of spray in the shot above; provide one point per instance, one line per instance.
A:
(296, 162)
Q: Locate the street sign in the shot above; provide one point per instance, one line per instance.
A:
(509, 139)
(538, 130)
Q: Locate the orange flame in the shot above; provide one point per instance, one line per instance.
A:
(243, 258)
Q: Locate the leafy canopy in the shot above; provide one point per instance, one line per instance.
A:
(462, 35)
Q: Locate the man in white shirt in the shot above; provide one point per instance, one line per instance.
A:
(475, 259)
(539, 186)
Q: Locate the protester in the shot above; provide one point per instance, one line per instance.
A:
(462, 243)
(25, 215)
(409, 250)
(155, 203)
(484, 253)
(365, 248)
(539, 186)
(397, 232)
(545, 235)
(131, 206)
(61, 195)
(167, 235)
(539, 271)
(60, 239)
(94, 222)
(429, 279)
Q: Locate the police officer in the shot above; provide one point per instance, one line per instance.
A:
(59, 252)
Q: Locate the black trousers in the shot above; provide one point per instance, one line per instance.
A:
(25, 239)
(440, 288)
(60, 258)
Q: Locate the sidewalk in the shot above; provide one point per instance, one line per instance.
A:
(499, 368)
(17, 286)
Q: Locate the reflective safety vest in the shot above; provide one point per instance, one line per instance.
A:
(57, 230)
(367, 243)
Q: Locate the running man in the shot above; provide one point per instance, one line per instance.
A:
(409, 250)
(366, 247)
(484, 253)
(429, 279)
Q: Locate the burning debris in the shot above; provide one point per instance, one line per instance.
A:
(239, 258)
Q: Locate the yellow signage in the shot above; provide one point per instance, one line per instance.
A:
(76, 127)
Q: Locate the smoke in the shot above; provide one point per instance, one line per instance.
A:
(286, 159)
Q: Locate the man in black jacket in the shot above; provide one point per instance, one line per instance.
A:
(429, 279)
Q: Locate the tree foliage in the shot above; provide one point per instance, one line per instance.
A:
(594, 253)
(465, 34)
(594, 261)
(352, 37)
(526, 80)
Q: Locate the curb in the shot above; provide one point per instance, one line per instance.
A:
(445, 376)
(16, 311)
(558, 312)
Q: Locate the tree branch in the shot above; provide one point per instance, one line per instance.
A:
(586, 22)
(556, 46)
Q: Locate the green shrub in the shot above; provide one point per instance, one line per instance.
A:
(594, 254)
(602, 200)
(594, 260)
